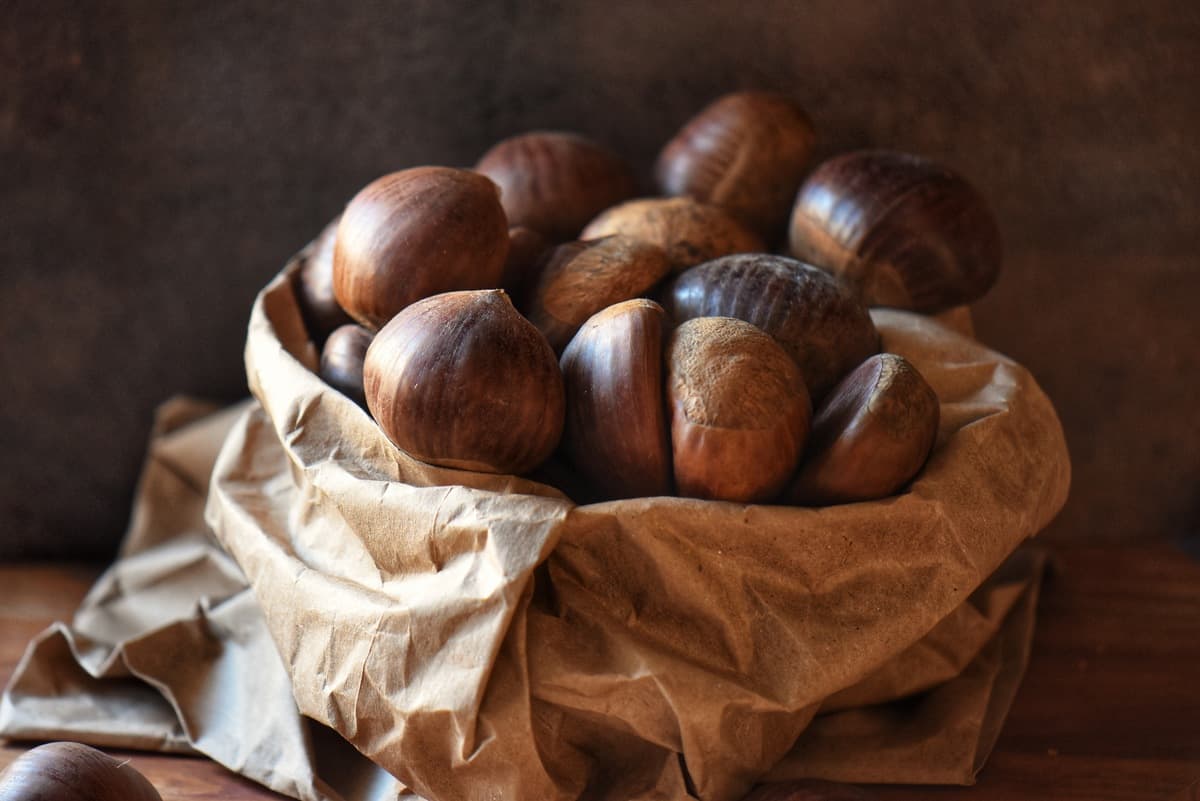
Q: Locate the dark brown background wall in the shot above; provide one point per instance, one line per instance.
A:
(160, 161)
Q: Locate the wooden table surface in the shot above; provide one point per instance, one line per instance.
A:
(1110, 708)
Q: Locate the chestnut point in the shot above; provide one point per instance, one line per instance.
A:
(616, 431)
(902, 230)
(462, 380)
(739, 409)
(415, 233)
(817, 320)
(745, 152)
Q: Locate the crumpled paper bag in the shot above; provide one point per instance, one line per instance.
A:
(169, 645)
(483, 636)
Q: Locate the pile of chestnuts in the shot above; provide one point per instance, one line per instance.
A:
(537, 308)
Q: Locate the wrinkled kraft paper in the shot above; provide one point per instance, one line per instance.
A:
(483, 636)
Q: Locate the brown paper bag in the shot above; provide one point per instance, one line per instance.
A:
(482, 636)
(168, 646)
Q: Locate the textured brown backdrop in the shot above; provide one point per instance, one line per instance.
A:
(160, 161)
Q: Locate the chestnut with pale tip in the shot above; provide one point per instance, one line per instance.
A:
(416, 233)
(65, 771)
(818, 321)
(739, 410)
(616, 431)
(689, 231)
(462, 380)
(314, 287)
(342, 360)
(555, 181)
(745, 152)
(871, 437)
(902, 230)
(581, 278)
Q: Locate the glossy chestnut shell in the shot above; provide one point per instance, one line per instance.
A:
(462, 380)
(871, 436)
(555, 181)
(902, 230)
(415, 233)
(817, 320)
(342, 360)
(66, 771)
(616, 431)
(746, 152)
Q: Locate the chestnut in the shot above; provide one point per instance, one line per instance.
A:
(871, 436)
(818, 321)
(746, 152)
(65, 771)
(739, 411)
(415, 233)
(581, 278)
(462, 380)
(689, 231)
(616, 428)
(314, 287)
(902, 230)
(342, 360)
(555, 181)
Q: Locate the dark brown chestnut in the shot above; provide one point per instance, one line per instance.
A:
(616, 427)
(739, 411)
(689, 231)
(462, 380)
(342, 360)
(581, 278)
(554, 181)
(314, 287)
(819, 322)
(415, 233)
(902, 230)
(871, 436)
(746, 152)
(65, 771)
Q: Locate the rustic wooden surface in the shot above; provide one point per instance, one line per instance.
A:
(1109, 711)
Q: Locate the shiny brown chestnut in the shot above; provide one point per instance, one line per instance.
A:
(314, 287)
(65, 771)
(904, 231)
(342, 360)
(554, 181)
(819, 322)
(871, 436)
(616, 431)
(746, 152)
(581, 278)
(739, 411)
(415, 233)
(689, 231)
(462, 380)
